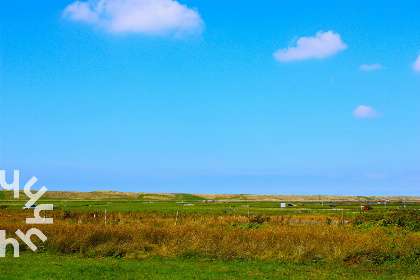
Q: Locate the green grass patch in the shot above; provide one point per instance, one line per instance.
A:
(46, 266)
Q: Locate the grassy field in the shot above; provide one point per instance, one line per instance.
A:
(118, 201)
(45, 266)
(173, 236)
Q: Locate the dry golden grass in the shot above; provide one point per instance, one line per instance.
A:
(300, 239)
(98, 195)
(256, 197)
(90, 195)
(159, 196)
(220, 196)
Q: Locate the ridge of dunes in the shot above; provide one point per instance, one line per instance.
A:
(98, 195)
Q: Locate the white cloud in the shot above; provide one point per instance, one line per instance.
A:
(365, 112)
(416, 65)
(367, 67)
(139, 16)
(324, 44)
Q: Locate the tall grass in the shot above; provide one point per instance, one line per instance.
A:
(288, 239)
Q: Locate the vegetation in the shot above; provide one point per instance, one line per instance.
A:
(208, 236)
(46, 266)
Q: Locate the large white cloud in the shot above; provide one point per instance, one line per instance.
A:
(324, 44)
(365, 112)
(367, 67)
(416, 65)
(140, 16)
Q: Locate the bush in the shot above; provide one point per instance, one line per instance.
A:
(404, 218)
(259, 219)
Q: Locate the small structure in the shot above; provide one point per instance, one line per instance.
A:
(282, 205)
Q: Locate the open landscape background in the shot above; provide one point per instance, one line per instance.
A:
(107, 234)
(169, 133)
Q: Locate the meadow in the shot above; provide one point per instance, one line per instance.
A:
(215, 237)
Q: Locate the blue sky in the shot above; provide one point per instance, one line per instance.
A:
(271, 97)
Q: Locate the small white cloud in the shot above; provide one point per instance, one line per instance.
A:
(324, 44)
(138, 16)
(366, 67)
(365, 112)
(416, 65)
